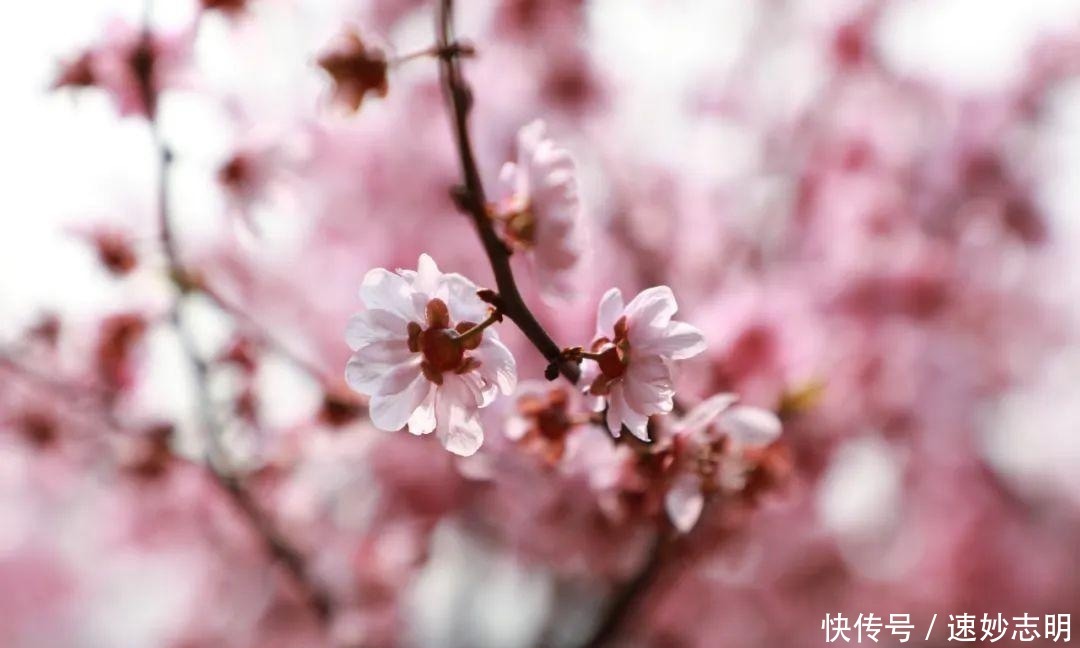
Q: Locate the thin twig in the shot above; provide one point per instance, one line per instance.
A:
(273, 540)
(470, 198)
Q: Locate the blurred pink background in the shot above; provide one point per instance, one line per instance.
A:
(869, 209)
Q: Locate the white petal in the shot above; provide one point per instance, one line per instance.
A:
(750, 426)
(497, 364)
(386, 352)
(457, 424)
(371, 377)
(678, 340)
(531, 135)
(516, 428)
(647, 386)
(684, 502)
(374, 325)
(392, 411)
(652, 307)
(637, 423)
(705, 413)
(385, 290)
(422, 420)
(460, 296)
(608, 312)
(427, 275)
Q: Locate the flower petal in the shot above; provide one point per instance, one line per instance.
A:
(427, 275)
(684, 502)
(460, 296)
(422, 420)
(375, 370)
(391, 412)
(652, 307)
(678, 340)
(750, 426)
(385, 290)
(457, 424)
(374, 325)
(647, 386)
(624, 415)
(705, 413)
(608, 312)
(497, 364)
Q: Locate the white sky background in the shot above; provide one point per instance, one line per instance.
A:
(65, 161)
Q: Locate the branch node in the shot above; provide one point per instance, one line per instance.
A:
(462, 198)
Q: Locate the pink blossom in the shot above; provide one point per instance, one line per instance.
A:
(635, 346)
(542, 213)
(131, 65)
(414, 356)
(711, 466)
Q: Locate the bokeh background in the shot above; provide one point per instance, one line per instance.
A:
(870, 209)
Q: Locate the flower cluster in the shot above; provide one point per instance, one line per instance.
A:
(425, 355)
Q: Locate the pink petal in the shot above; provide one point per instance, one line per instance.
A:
(608, 312)
(750, 426)
(391, 412)
(652, 307)
(705, 413)
(647, 386)
(374, 325)
(497, 364)
(684, 502)
(677, 340)
(422, 420)
(457, 425)
(385, 290)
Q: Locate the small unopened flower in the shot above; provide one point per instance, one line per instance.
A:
(115, 251)
(424, 354)
(356, 70)
(712, 441)
(633, 350)
(542, 211)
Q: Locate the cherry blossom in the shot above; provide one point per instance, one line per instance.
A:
(710, 439)
(633, 349)
(542, 211)
(423, 353)
(133, 66)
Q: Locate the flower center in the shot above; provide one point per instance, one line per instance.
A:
(612, 356)
(443, 347)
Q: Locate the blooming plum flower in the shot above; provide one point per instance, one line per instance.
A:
(711, 439)
(423, 353)
(634, 347)
(542, 212)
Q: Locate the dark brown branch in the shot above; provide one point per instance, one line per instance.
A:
(279, 548)
(470, 196)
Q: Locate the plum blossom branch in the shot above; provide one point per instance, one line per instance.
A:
(470, 198)
(273, 540)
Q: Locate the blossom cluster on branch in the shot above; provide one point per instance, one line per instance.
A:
(681, 352)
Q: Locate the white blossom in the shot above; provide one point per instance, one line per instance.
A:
(410, 357)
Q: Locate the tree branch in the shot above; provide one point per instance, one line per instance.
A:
(275, 543)
(470, 196)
